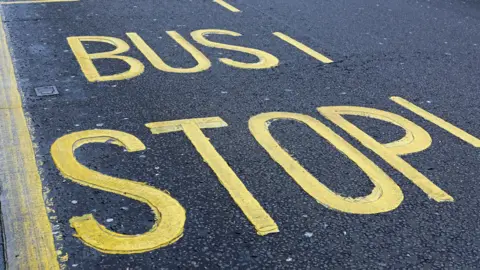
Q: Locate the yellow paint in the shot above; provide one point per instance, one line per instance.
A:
(226, 5)
(27, 232)
(416, 140)
(169, 213)
(35, 2)
(461, 134)
(320, 57)
(202, 61)
(85, 59)
(260, 219)
(266, 60)
(385, 197)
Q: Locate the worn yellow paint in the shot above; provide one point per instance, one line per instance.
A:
(455, 131)
(416, 140)
(260, 219)
(226, 5)
(27, 230)
(34, 2)
(266, 60)
(85, 59)
(320, 57)
(202, 61)
(169, 214)
(386, 195)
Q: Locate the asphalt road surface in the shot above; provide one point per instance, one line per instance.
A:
(245, 134)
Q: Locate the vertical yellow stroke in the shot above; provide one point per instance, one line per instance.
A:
(28, 233)
(320, 57)
(260, 219)
(455, 131)
(226, 5)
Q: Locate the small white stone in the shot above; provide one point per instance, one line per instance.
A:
(156, 168)
(308, 234)
(124, 208)
(429, 101)
(224, 92)
(109, 219)
(100, 125)
(74, 201)
(289, 259)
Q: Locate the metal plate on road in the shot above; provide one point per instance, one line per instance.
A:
(46, 91)
(241, 134)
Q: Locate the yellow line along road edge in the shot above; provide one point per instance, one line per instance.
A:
(27, 230)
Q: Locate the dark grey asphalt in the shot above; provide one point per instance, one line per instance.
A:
(2, 249)
(426, 51)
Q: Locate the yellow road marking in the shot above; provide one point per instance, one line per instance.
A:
(461, 134)
(266, 60)
(35, 2)
(227, 5)
(320, 57)
(260, 219)
(85, 59)
(203, 63)
(169, 214)
(386, 196)
(416, 140)
(28, 233)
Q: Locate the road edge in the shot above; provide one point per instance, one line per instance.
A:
(28, 234)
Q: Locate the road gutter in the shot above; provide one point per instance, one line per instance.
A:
(27, 231)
